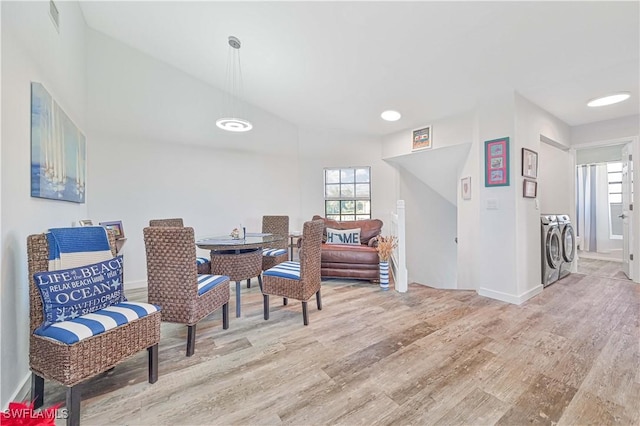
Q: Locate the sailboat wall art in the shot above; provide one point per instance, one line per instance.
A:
(58, 151)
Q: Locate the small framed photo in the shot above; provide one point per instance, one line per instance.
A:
(116, 226)
(529, 163)
(85, 222)
(465, 188)
(530, 188)
(421, 138)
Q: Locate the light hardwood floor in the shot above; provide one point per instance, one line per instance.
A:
(570, 355)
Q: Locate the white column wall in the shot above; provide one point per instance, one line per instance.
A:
(497, 241)
(32, 50)
(555, 182)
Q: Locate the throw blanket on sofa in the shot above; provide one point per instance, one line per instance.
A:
(73, 247)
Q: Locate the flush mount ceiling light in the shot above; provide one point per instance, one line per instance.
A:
(609, 99)
(390, 115)
(231, 121)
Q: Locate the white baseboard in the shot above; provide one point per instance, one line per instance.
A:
(511, 298)
(21, 393)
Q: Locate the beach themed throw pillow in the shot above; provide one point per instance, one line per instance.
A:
(69, 293)
(343, 236)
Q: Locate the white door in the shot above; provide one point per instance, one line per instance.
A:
(627, 202)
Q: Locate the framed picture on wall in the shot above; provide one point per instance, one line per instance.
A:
(85, 222)
(421, 138)
(496, 162)
(116, 226)
(529, 188)
(465, 188)
(529, 163)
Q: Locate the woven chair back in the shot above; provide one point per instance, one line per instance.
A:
(167, 222)
(172, 274)
(311, 252)
(38, 261)
(277, 225)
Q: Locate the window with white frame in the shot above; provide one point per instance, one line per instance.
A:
(347, 193)
(614, 179)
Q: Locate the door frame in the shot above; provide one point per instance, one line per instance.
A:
(634, 265)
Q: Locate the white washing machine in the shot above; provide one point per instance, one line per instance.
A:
(567, 244)
(551, 250)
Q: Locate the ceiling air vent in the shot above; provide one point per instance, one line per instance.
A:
(55, 15)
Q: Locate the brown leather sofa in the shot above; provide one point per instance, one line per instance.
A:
(352, 261)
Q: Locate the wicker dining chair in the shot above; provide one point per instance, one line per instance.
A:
(203, 263)
(167, 222)
(277, 251)
(297, 280)
(72, 364)
(174, 284)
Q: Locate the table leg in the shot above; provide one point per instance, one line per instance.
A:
(291, 248)
(238, 299)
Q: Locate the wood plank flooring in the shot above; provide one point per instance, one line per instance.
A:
(569, 356)
(601, 268)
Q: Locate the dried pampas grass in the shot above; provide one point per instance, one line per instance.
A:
(386, 245)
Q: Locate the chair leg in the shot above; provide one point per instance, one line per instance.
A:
(285, 301)
(37, 390)
(265, 299)
(225, 316)
(191, 339)
(305, 314)
(319, 300)
(238, 289)
(153, 363)
(249, 283)
(260, 281)
(73, 405)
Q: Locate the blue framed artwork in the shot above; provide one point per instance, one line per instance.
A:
(58, 151)
(496, 162)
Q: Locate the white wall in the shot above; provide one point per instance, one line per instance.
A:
(431, 230)
(497, 244)
(428, 183)
(623, 130)
(320, 148)
(556, 174)
(605, 130)
(154, 151)
(556, 183)
(31, 51)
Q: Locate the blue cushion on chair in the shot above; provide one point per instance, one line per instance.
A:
(207, 282)
(98, 322)
(202, 260)
(290, 270)
(273, 252)
(68, 293)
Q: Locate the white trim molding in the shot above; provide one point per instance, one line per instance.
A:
(511, 298)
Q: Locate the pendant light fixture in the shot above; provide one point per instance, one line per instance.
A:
(232, 121)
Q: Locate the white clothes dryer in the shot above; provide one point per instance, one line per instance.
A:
(567, 243)
(551, 250)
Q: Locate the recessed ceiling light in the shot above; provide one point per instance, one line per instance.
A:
(609, 99)
(391, 115)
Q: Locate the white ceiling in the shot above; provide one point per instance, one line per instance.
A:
(340, 64)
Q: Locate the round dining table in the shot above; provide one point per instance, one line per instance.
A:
(238, 258)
